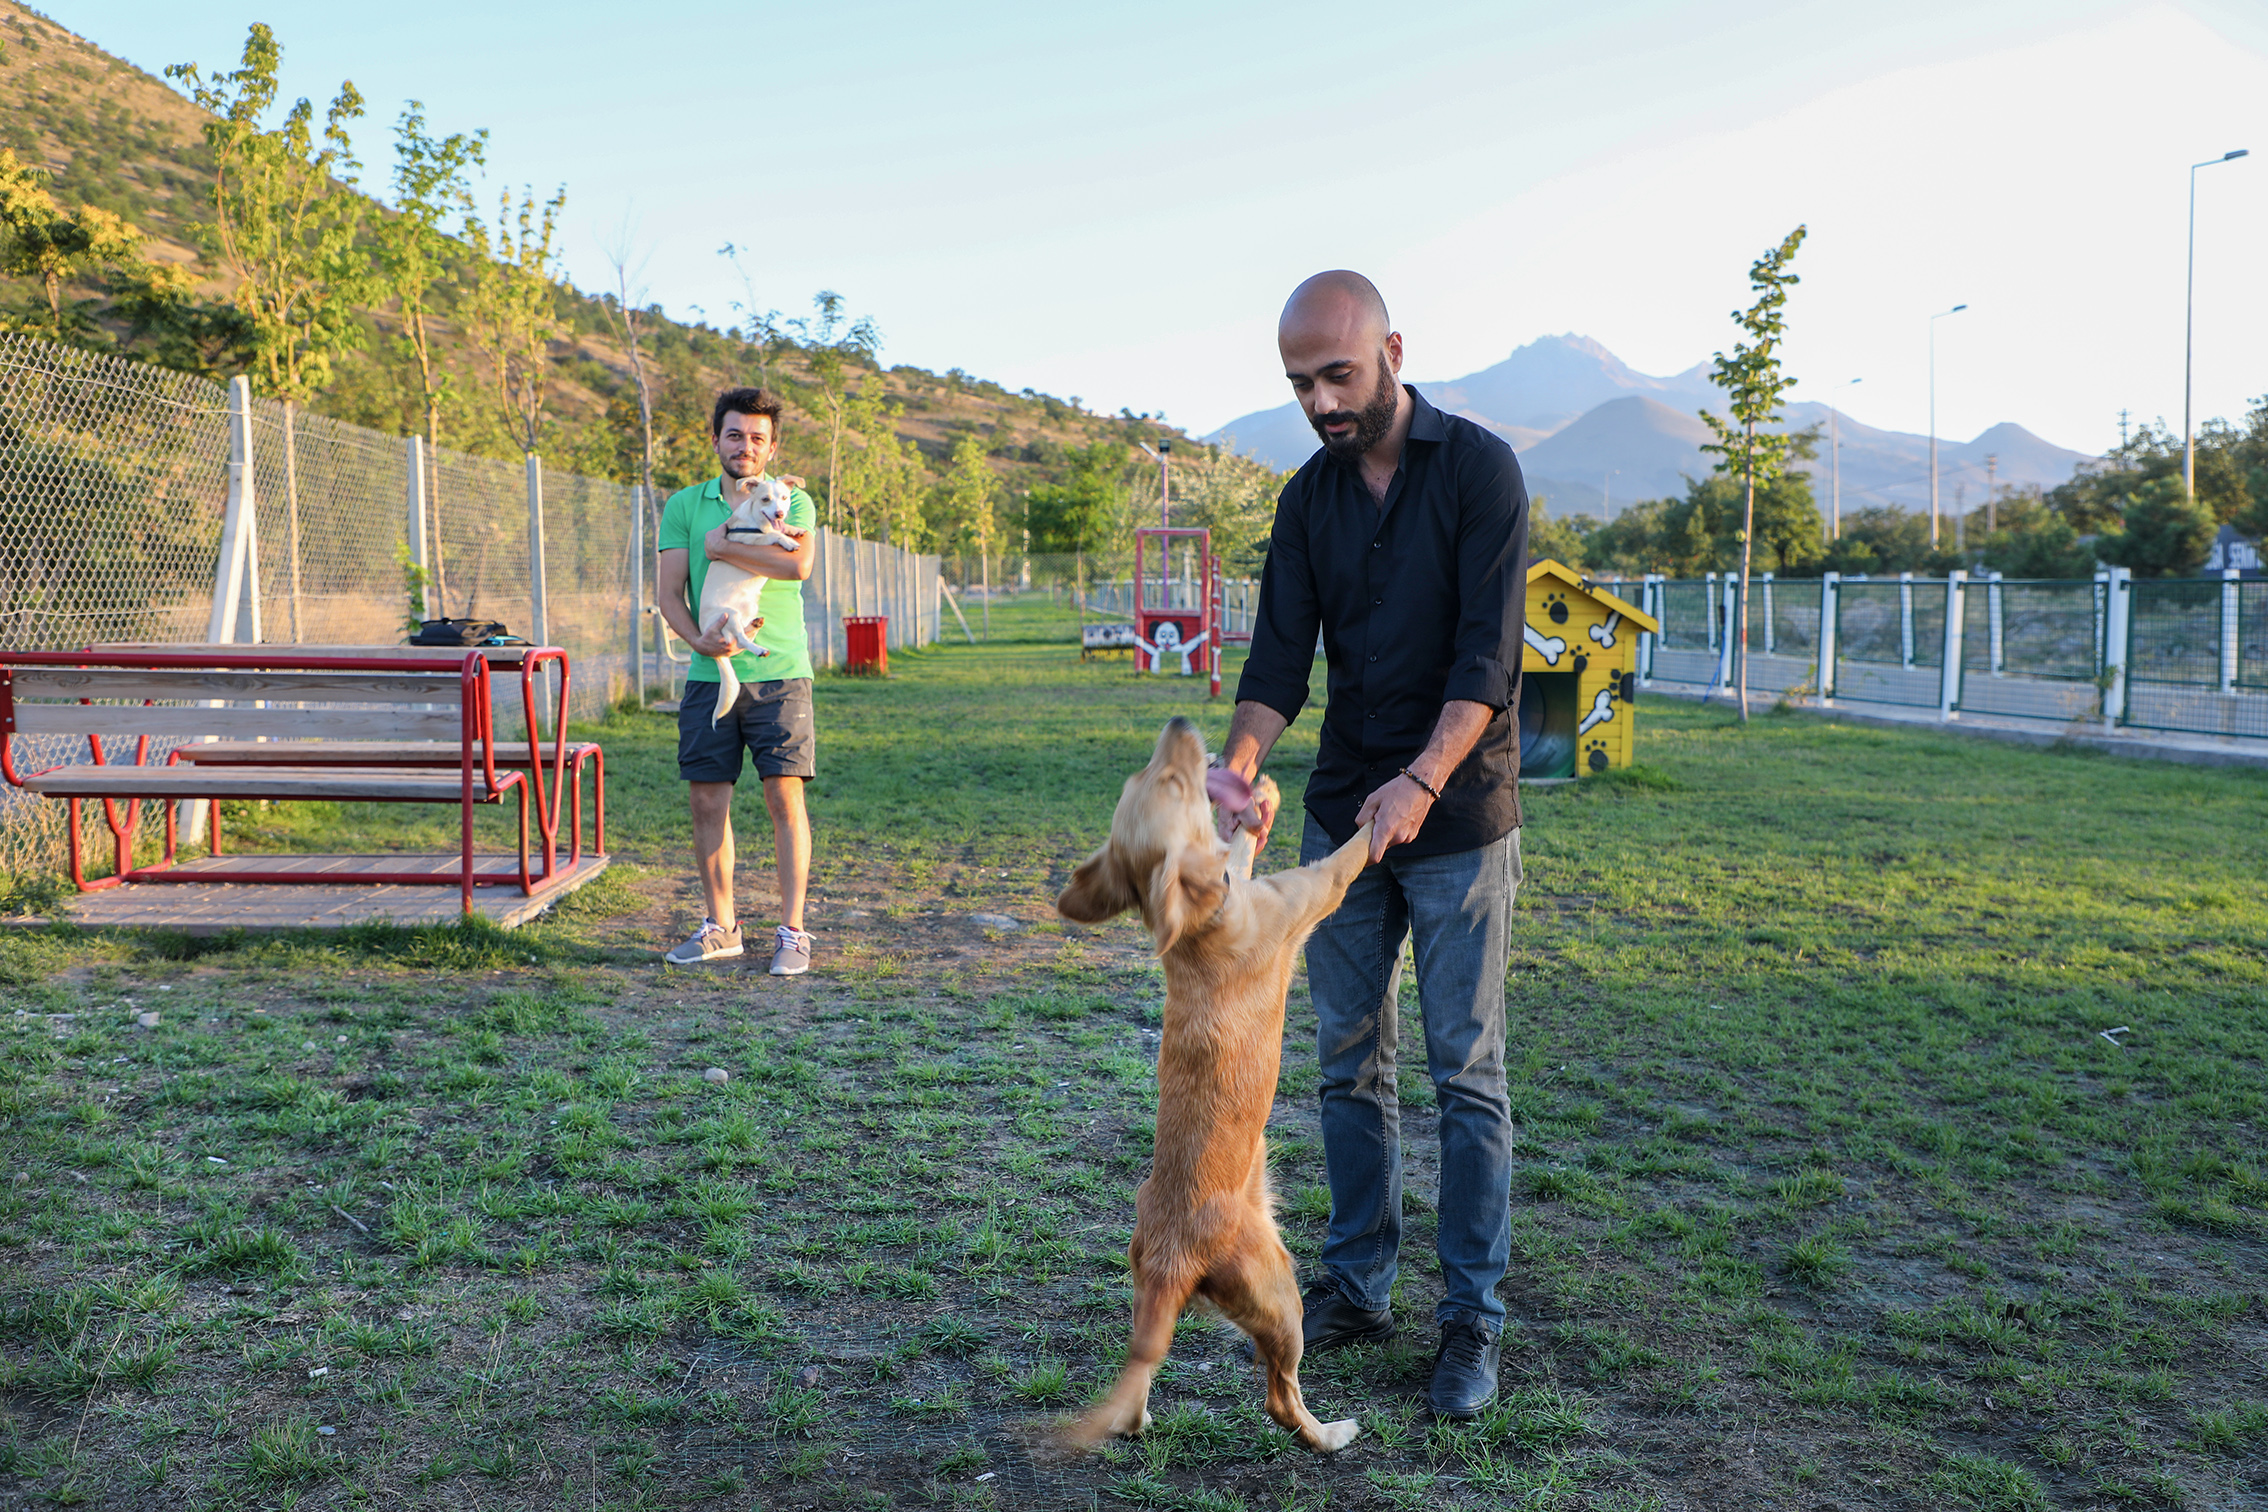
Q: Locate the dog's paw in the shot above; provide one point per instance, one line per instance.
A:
(1336, 1436)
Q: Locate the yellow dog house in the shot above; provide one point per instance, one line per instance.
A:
(1578, 675)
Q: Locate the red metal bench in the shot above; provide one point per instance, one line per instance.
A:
(402, 726)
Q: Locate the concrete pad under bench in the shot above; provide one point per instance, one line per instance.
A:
(216, 907)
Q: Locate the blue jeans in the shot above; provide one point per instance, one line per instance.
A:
(1456, 909)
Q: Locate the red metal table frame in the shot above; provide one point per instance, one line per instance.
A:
(476, 728)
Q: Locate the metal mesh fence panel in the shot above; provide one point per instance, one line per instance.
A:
(2185, 659)
(2032, 649)
(2252, 635)
(1889, 639)
(1686, 612)
(330, 502)
(113, 480)
(592, 582)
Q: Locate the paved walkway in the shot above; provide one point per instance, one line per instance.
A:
(2087, 734)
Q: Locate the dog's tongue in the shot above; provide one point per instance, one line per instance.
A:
(1227, 789)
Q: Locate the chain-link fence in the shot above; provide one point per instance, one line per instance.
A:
(117, 482)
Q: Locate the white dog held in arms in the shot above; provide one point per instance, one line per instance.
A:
(729, 593)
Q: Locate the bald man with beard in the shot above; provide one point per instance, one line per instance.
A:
(1403, 542)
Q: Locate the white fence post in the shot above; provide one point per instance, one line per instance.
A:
(2229, 576)
(638, 593)
(1650, 600)
(236, 579)
(415, 524)
(1906, 620)
(1949, 664)
(539, 597)
(2118, 613)
(1996, 622)
(1771, 641)
(1709, 606)
(1830, 602)
(1726, 642)
(538, 605)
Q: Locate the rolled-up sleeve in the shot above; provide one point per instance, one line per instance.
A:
(1492, 579)
(1282, 659)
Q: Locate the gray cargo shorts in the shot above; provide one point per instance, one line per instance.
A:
(771, 722)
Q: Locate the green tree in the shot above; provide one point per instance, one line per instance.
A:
(1230, 495)
(2229, 462)
(512, 309)
(1566, 542)
(414, 253)
(286, 218)
(176, 327)
(882, 474)
(763, 339)
(832, 344)
(39, 239)
(1753, 385)
(964, 508)
(2164, 532)
(2033, 541)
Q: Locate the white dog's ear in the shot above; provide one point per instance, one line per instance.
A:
(1186, 889)
(1098, 890)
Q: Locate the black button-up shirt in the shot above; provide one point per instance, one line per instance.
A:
(1420, 601)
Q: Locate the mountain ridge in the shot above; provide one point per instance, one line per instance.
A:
(1594, 434)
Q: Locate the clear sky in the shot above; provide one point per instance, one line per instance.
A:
(1113, 201)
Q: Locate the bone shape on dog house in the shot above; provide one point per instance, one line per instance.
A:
(1578, 675)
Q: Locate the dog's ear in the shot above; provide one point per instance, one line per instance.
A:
(1186, 889)
(1098, 890)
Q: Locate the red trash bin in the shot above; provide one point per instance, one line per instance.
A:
(868, 638)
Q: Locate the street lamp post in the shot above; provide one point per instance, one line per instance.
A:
(1606, 493)
(1933, 320)
(2189, 326)
(1835, 468)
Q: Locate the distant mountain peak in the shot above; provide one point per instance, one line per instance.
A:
(1591, 431)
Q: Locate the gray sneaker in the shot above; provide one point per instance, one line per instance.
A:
(793, 957)
(711, 942)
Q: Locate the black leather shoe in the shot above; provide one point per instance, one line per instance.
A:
(1328, 1319)
(1464, 1372)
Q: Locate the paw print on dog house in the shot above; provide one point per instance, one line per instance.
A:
(1578, 675)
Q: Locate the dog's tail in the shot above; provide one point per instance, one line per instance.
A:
(728, 690)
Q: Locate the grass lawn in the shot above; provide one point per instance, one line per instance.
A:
(1832, 1191)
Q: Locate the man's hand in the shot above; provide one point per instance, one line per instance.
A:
(1397, 812)
(718, 644)
(1252, 733)
(1244, 806)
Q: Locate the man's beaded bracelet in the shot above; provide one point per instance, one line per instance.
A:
(1430, 790)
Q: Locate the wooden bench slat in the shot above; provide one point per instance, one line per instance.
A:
(238, 686)
(124, 721)
(360, 752)
(248, 782)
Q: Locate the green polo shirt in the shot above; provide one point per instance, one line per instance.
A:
(686, 521)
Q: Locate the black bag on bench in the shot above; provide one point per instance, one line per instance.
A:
(464, 632)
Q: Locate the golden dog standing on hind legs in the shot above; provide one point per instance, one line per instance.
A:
(1202, 1222)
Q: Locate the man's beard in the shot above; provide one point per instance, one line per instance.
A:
(741, 469)
(1371, 422)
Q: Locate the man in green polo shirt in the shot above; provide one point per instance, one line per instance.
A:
(771, 720)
